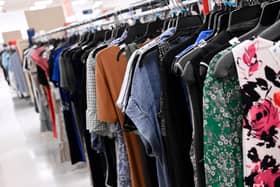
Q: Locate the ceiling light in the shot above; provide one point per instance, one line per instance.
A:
(43, 2)
(38, 7)
(2, 3)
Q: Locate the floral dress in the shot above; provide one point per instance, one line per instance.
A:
(222, 114)
(258, 68)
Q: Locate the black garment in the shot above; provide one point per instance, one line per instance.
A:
(174, 114)
(111, 155)
(42, 76)
(76, 85)
(98, 159)
(192, 69)
(176, 131)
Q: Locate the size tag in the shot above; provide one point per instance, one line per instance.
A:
(234, 41)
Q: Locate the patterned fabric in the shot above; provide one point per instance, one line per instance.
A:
(222, 116)
(258, 73)
(92, 124)
(122, 160)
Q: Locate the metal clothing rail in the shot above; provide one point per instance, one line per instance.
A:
(165, 8)
(153, 11)
(145, 13)
(125, 10)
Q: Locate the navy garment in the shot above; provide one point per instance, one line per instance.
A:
(75, 144)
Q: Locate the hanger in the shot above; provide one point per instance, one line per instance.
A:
(212, 15)
(243, 14)
(216, 21)
(268, 16)
(135, 32)
(272, 32)
(270, 13)
(153, 29)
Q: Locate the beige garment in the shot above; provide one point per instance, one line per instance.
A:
(64, 152)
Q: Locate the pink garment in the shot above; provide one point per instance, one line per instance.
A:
(258, 73)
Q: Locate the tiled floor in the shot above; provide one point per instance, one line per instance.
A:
(29, 158)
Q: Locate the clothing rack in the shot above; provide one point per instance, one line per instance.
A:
(165, 8)
(111, 14)
(116, 13)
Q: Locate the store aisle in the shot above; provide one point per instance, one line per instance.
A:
(29, 158)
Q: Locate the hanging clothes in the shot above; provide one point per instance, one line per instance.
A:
(257, 66)
(42, 68)
(222, 117)
(109, 77)
(16, 68)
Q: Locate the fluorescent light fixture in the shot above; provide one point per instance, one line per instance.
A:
(79, 2)
(2, 3)
(43, 2)
(37, 7)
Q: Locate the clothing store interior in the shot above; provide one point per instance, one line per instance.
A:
(140, 93)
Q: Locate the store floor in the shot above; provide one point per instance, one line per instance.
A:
(29, 158)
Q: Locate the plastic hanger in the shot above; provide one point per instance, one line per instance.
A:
(185, 25)
(270, 12)
(243, 14)
(135, 31)
(272, 32)
(222, 22)
(153, 29)
(212, 15)
(268, 16)
(215, 22)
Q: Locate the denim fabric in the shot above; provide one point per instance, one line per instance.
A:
(16, 68)
(6, 60)
(120, 39)
(167, 34)
(143, 107)
(135, 58)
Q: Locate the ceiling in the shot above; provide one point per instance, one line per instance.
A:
(13, 5)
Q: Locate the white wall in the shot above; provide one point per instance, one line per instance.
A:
(13, 21)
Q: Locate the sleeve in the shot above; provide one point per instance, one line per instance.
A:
(104, 103)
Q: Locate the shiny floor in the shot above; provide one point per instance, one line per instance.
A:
(29, 158)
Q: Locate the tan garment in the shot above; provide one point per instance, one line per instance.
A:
(109, 77)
